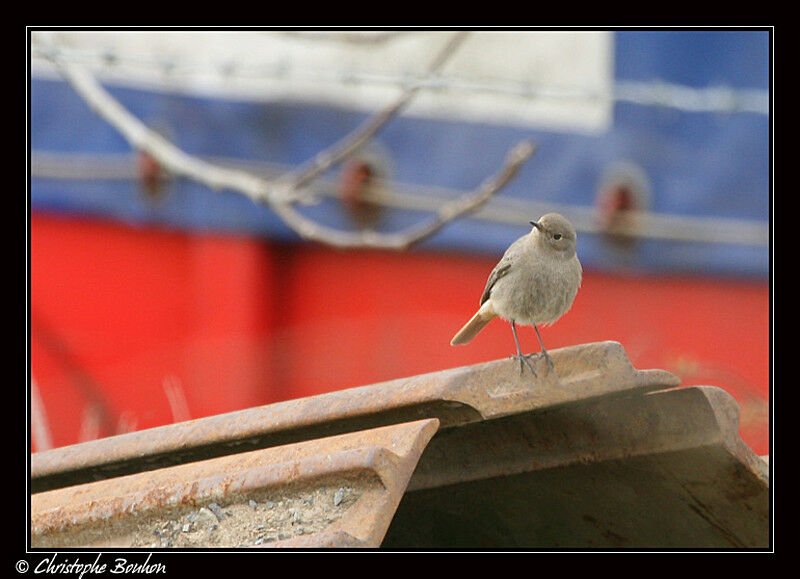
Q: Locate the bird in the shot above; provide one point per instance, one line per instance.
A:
(533, 284)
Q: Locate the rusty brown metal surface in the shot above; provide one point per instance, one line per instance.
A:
(662, 470)
(339, 491)
(455, 397)
(595, 454)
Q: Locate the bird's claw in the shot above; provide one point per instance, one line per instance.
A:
(548, 358)
(523, 359)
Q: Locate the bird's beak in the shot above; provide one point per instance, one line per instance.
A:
(536, 225)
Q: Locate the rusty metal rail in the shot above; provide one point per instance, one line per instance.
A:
(595, 453)
(456, 396)
(666, 469)
(340, 491)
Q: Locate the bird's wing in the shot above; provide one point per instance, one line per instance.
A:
(499, 271)
(503, 267)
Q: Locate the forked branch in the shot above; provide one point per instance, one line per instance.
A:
(282, 193)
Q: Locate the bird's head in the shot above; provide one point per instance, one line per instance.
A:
(556, 232)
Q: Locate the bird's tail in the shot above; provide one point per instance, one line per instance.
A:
(482, 317)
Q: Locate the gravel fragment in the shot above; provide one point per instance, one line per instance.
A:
(253, 504)
(337, 498)
(218, 512)
(205, 518)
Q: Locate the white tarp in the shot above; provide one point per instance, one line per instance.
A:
(546, 79)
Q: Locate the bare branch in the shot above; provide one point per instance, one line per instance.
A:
(181, 164)
(280, 193)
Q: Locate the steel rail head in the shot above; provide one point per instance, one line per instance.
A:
(455, 396)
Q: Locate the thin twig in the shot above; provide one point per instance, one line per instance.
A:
(464, 205)
(352, 141)
(414, 234)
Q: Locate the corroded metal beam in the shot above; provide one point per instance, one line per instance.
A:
(340, 491)
(594, 454)
(662, 470)
(455, 397)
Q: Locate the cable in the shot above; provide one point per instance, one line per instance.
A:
(715, 99)
(506, 210)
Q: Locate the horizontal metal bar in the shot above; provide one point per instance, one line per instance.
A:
(507, 210)
(455, 397)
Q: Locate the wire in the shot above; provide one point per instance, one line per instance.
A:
(506, 210)
(715, 99)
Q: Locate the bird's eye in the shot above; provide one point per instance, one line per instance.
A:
(557, 236)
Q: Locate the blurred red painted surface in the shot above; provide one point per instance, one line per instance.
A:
(133, 328)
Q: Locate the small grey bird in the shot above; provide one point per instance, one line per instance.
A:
(534, 284)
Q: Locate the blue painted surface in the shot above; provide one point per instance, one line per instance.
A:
(726, 57)
(698, 163)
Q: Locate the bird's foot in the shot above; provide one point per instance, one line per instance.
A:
(534, 356)
(547, 357)
(523, 361)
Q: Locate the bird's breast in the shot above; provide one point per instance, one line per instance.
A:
(537, 292)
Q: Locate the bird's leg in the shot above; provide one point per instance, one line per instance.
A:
(544, 351)
(523, 359)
